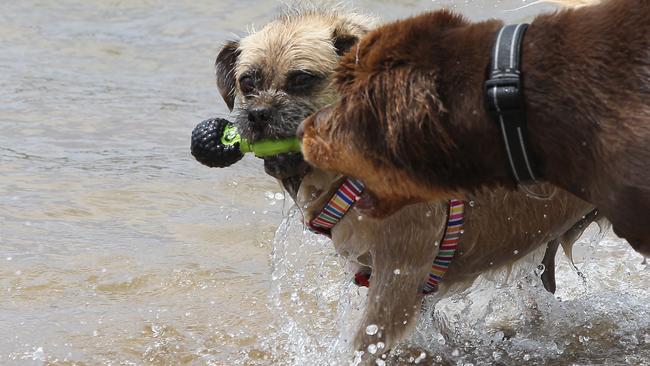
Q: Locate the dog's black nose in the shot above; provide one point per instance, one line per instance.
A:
(259, 115)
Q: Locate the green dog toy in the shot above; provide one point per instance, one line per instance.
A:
(260, 148)
(216, 143)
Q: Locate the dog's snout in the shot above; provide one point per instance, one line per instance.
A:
(259, 115)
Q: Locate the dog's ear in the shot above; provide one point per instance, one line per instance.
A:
(343, 41)
(225, 68)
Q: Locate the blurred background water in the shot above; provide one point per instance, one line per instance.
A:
(117, 248)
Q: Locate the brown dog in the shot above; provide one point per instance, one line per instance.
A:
(412, 124)
(279, 75)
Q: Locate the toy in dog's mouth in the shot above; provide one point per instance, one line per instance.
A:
(217, 144)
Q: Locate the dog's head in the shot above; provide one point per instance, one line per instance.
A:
(390, 125)
(276, 77)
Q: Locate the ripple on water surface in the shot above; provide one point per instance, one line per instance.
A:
(117, 248)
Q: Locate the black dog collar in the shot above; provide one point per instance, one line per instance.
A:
(505, 99)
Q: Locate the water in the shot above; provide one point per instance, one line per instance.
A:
(116, 248)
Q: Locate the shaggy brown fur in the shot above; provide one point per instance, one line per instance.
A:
(411, 121)
(407, 239)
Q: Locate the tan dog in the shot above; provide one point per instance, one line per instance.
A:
(281, 74)
(412, 104)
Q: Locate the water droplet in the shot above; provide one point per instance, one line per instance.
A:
(372, 329)
(381, 345)
(421, 357)
(428, 214)
(455, 352)
(498, 336)
(526, 357)
(397, 271)
(516, 251)
(38, 354)
(279, 196)
(380, 362)
(545, 216)
(583, 339)
(372, 349)
(472, 203)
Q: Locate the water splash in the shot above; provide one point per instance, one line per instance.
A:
(504, 317)
(316, 303)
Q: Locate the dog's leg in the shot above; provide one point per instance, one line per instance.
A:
(394, 301)
(567, 240)
(548, 276)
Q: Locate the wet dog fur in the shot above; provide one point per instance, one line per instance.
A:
(412, 100)
(497, 224)
(273, 78)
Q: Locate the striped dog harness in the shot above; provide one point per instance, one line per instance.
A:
(450, 240)
(349, 193)
(340, 203)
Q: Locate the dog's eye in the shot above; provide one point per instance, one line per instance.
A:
(247, 84)
(301, 81)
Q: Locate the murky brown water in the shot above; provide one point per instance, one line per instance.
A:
(116, 248)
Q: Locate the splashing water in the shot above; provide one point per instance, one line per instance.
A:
(505, 317)
(312, 296)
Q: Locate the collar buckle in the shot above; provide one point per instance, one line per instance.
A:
(507, 86)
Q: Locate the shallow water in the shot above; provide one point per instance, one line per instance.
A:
(116, 247)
